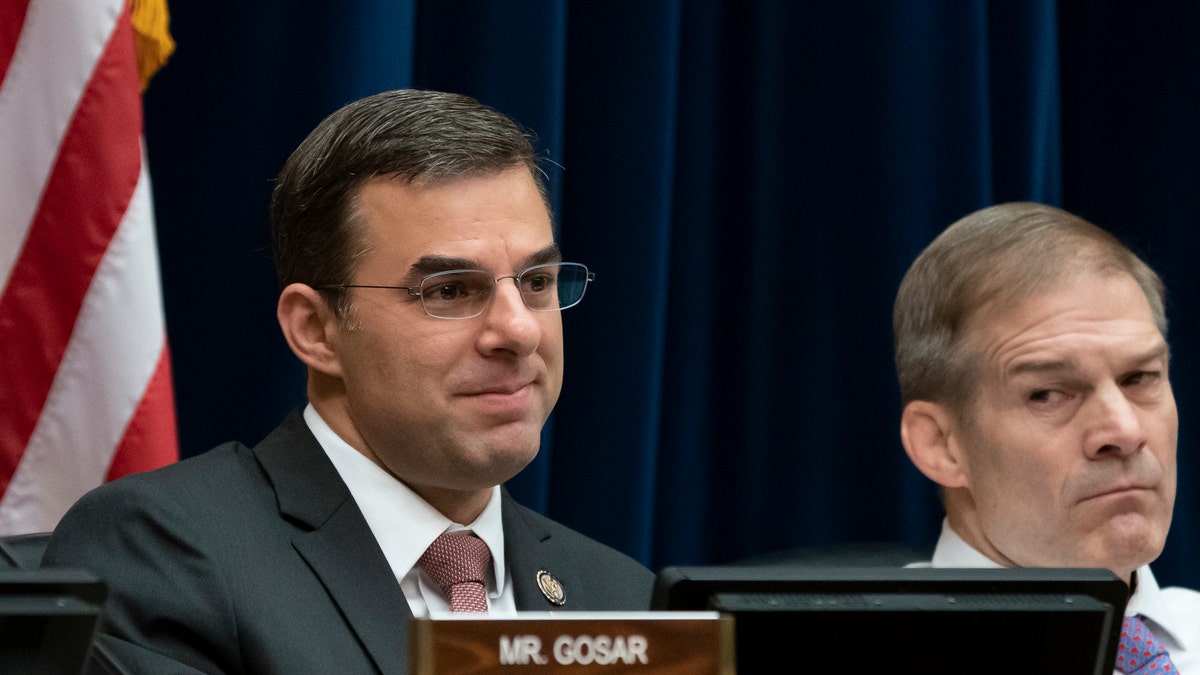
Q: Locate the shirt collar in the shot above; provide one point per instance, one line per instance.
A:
(403, 523)
(953, 551)
(1147, 600)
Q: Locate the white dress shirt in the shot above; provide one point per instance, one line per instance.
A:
(405, 525)
(1173, 614)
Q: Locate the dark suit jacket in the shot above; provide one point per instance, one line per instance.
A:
(259, 561)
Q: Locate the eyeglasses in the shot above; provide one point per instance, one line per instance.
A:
(464, 294)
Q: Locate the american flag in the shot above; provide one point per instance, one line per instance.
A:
(85, 376)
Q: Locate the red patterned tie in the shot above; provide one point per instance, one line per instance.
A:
(458, 562)
(1140, 653)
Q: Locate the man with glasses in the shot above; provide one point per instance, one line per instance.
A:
(421, 287)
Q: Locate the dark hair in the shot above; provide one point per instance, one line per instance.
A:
(413, 135)
(1004, 253)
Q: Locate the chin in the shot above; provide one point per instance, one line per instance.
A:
(1125, 530)
(505, 461)
(1131, 551)
(514, 439)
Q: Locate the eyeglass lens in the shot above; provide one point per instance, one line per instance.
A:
(465, 293)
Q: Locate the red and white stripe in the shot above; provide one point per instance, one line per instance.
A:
(85, 386)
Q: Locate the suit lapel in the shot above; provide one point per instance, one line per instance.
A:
(336, 542)
(529, 549)
(362, 584)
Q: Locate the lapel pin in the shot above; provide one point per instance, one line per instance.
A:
(551, 588)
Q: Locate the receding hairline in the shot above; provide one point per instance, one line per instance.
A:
(993, 312)
(1001, 254)
(356, 223)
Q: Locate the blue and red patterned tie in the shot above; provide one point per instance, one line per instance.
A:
(1140, 653)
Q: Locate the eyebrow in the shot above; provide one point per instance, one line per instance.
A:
(1057, 365)
(432, 264)
(1062, 365)
(550, 254)
(1161, 351)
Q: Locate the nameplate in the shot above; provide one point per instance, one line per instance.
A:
(687, 643)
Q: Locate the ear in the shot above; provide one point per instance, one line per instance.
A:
(310, 328)
(929, 434)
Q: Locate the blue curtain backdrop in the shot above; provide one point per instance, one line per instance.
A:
(749, 179)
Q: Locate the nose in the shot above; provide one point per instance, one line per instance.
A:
(1117, 424)
(508, 324)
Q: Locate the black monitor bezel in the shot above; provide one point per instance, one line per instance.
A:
(67, 603)
(692, 588)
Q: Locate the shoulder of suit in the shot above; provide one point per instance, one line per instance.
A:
(579, 543)
(227, 467)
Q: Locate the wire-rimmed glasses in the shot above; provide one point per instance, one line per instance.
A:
(464, 294)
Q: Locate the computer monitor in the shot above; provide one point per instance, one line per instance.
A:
(47, 620)
(884, 620)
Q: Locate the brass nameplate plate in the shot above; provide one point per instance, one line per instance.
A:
(687, 643)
